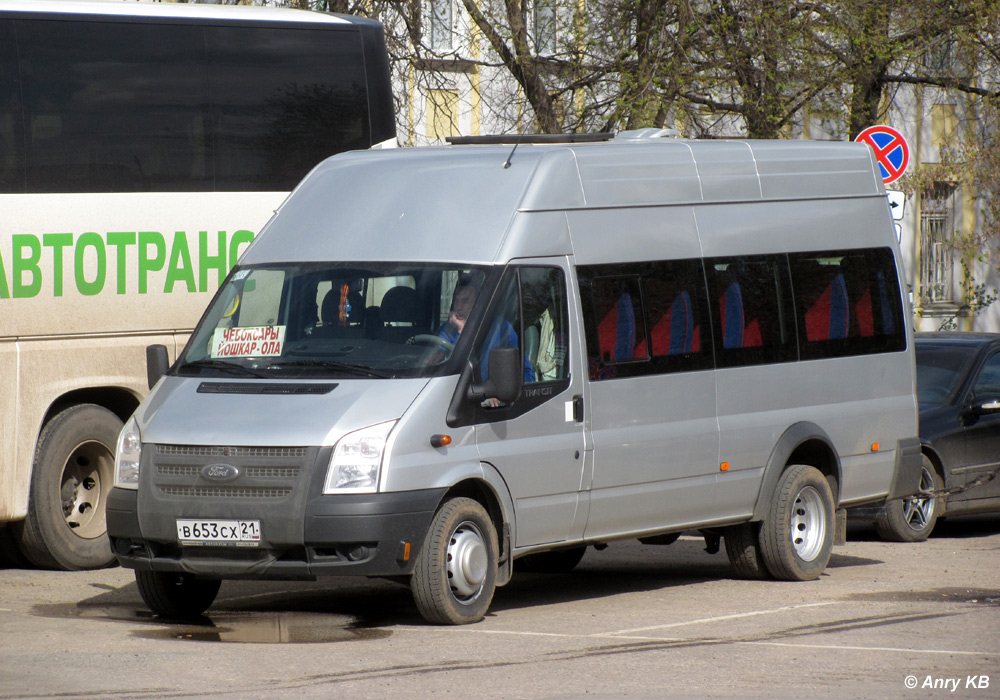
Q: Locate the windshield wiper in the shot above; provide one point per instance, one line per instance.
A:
(356, 370)
(224, 366)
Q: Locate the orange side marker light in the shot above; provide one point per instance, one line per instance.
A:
(440, 440)
(724, 467)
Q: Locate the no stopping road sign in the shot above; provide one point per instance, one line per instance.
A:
(891, 151)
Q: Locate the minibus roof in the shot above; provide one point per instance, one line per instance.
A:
(457, 202)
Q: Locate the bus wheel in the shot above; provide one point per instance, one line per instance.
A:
(743, 550)
(796, 537)
(455, 573)
(177, 596)
(70, 481)
(913, 518)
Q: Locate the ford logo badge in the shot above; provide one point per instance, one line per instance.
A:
(220, 472)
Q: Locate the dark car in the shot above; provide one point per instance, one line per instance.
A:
(958, 389)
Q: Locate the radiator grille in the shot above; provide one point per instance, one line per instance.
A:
(251, 472)
(220, 451)
(266, 474)
(225, 492)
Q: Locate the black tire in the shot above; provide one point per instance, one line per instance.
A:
(72, 475)
(176, 596)
(913, 519)
(796, 537)
(558, 561)
(454, 577)
(743, 550)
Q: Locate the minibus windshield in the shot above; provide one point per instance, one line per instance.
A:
(342, 320)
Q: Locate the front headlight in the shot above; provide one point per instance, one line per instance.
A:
(127, 456)
(357, 458)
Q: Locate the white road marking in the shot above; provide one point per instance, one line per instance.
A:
(632, 634)
(735, 616)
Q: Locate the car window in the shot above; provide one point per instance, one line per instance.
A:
(940, 371)
(988, 382)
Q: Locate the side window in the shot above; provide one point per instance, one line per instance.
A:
(500, 329)
(115, 106)
(988, 382)
(269, 129)
(751, 301)
(847, 303)
(531, 315)
(11, 129)
(645, 318)
(621, 328)
(679, 336)
(546, 322)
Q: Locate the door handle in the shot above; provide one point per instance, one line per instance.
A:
(578, 408)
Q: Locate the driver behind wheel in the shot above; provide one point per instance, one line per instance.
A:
(461, 306)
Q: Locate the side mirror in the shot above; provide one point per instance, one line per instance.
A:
(157, 363)
(505, 378)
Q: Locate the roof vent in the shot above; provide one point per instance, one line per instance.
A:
(648, 133)
(517, 139)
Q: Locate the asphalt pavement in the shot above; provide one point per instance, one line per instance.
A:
(632, 621)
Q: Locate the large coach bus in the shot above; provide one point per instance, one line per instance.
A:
(141, 148)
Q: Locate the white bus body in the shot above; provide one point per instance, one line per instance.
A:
(130, 182)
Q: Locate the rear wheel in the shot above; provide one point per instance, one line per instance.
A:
(72, 475)
(912, 519)
(454, 577)
(176, 596)
(796, 537)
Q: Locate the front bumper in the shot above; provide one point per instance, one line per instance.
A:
(354, 535)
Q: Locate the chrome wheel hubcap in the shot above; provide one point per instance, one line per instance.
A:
(467, 562)
(808, 524)
(86, 480)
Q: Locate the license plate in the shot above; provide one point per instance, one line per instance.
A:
(244, 533)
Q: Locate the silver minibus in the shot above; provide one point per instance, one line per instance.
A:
(434, 362)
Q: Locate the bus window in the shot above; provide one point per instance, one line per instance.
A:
(753, 320)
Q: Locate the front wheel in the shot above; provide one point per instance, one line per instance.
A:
(796, 537)
(176, 596)
(912, 519)
(455, 574)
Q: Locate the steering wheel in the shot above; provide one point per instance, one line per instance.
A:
(427, 339)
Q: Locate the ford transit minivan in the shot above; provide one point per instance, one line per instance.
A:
(433, 362)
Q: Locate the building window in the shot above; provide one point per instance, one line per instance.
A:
(439, 16)
(944, 125)
(442, 113)
(937, 216)
(545, 27)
